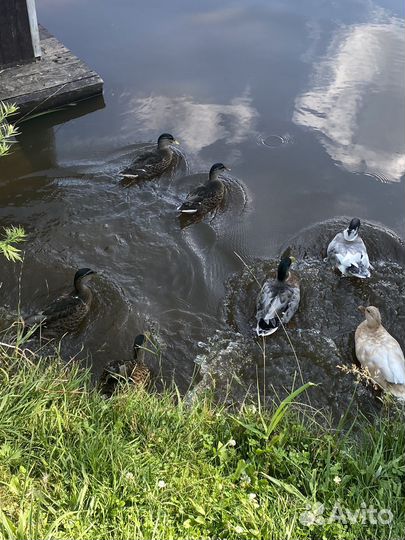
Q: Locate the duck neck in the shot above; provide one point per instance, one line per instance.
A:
(282, 271)
(213, 175)
(350, 235)
(139, 355)
(372, 324)
(83, 291)
(164, 148)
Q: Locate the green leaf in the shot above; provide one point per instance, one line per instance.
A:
(288, 487)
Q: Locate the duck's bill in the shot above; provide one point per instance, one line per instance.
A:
(228, 169)
(362, 309)
(176, 142)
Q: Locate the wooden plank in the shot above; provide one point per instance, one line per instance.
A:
(15, 36)
(59, 77)
(32, 17)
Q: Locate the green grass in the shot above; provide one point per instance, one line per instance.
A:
(73, 465)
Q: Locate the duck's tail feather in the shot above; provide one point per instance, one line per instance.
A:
(358, 271)
(36, 318)
(352, 265)
(264, 328)
(398, 391)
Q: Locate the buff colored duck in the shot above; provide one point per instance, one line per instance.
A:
(380, 353)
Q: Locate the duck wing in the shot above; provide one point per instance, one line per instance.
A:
(62, 308)
(389, 359)
(194, 200)
(203, 198)
(350, 258)
(143, 165)
(276, 301)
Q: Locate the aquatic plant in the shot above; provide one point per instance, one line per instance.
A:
(12, 235)
(7, 131)
(144, 465)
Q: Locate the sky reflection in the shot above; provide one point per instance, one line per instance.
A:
(360, 76)
(196, 125)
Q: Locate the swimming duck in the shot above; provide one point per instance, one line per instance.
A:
(134, 370)
(207, 197)
(66, 312)
(347, 252)
(378, 351)
(153, 163)
(278, 299)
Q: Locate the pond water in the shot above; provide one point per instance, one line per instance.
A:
(304, 101)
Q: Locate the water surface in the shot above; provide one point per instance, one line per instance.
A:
(303, 100)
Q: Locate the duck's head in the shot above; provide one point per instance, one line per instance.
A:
(372, 314)
(165, 140)
(83, 276)
(217, 169)
(352, 230)
(284, 267)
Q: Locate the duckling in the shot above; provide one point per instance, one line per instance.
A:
(347, 252)
(134, 370)
(278, 299)
(153, 163)
(66, 313)
(378, 351)
(206, 198)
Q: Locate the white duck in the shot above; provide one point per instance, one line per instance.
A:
(347, 252)
(378, 351)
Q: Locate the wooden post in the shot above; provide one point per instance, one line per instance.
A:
(19, 36)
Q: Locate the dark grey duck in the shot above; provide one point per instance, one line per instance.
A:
(153, 163)
(66, 313)
(134, 371)
(207, 197)
(278, 299)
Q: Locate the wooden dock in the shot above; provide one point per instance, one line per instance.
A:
(57, 79)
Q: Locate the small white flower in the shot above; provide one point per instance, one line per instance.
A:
(245, 478)
(129, 476)
(231, 442)
(337, 479)
(161, 484)
(45, 479)
(252, 496)
(239, 529)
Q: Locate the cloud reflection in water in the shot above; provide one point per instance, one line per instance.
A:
(196, 125)
(357, 100)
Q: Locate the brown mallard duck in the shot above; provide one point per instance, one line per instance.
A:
(153, 163)
(207, 197)
(134, 371)
(278, 299)
(380, 353)
(66, 313)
